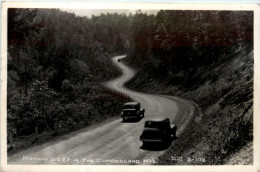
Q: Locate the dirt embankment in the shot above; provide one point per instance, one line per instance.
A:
(224, 92)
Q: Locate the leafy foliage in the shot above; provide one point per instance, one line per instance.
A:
(55, 62)
(177, 41)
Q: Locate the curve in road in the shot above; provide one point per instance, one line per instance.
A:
(115, 142)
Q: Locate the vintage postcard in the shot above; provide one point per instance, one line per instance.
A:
(129, 87)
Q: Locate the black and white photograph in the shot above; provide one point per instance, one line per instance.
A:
(158, 87)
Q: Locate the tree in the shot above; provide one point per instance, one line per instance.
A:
(40, 97)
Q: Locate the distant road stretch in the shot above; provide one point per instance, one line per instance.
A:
(114, 142)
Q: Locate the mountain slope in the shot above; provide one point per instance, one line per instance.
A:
(224, 91)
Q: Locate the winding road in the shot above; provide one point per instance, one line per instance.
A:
(115, 142)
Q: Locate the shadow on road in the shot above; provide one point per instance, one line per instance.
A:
(157, 146)
(132, 120)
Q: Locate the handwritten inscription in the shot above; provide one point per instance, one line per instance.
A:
(88, 161)
(188, 159)
(65, 160)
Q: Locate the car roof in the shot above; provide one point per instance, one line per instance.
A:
(157, 119)
(131, 103)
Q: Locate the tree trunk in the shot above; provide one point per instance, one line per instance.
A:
(18, 54)
(56, 126)
(11, 138)
(20, 91)
(36, 129)
(26, 86)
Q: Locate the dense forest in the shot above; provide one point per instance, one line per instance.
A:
(207, 57)
(56, 61)
(175, 41)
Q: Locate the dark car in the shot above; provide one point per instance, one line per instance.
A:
(158, 130)
(132, 110)
(118, 60)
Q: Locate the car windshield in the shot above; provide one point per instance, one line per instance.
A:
(130, 107)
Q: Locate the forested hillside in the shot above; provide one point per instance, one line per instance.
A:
(56, 61)
(205, 56)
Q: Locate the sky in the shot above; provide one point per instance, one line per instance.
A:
(96, 12)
